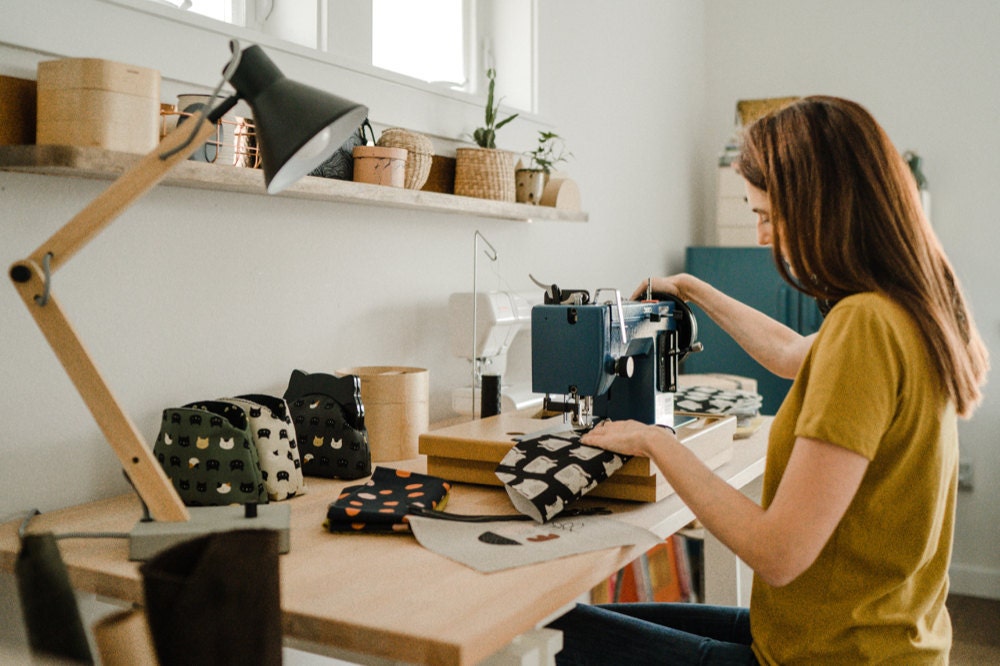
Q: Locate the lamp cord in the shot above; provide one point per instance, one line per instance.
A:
(23, 529)
(203, 114)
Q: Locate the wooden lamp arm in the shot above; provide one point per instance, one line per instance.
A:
(135, 456)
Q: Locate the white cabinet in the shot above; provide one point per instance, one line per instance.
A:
(735, 225)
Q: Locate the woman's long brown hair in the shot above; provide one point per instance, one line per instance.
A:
(846, 217)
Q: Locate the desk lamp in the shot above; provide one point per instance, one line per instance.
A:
(297, 128)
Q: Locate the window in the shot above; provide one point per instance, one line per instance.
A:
(425, 40)
(230, 11)
(442, 42)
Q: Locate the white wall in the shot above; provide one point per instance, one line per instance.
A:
(928, 71)
(194, 294)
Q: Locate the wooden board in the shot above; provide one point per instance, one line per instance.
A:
(92, 162)
(469, 452)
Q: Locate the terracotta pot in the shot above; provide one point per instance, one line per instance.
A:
(380, 165)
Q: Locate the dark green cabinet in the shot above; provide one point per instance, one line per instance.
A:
(748, 275)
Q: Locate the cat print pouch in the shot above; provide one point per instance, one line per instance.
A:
(329, 420)
(207, 452)
(277, 448)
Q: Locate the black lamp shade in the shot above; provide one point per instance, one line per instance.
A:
(298, 127)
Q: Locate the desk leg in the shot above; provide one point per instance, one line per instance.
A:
(533, 648)
(728, 579)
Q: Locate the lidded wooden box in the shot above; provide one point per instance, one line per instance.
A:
(99, 103)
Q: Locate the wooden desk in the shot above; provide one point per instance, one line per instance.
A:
(386, 596)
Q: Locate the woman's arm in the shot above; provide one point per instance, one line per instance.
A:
(779, 542)
(772, 344)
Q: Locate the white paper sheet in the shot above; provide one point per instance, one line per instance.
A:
(495, 546)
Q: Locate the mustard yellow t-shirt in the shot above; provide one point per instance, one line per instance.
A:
(876, 593)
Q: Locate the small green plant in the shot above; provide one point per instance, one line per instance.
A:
(485, 137)
(550, 151)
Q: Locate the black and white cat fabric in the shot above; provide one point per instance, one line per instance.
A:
(711, 400)
(544, 474)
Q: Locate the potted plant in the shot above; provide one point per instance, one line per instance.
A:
(531, 180)
(486, 172)
(485, 137)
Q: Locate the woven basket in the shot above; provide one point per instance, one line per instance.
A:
(419, 150)
(484, 173)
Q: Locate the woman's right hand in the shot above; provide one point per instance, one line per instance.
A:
(673, 285)
(769, 342)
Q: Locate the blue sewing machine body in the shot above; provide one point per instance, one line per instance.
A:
(615, 360)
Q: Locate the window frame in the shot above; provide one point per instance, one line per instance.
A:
(190, 50)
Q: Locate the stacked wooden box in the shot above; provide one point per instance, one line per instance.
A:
(469, 452)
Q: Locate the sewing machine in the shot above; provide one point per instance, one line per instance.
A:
(592, 359)
(612, 359)
(486, 331)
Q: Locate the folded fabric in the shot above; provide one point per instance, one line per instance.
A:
(384, 502)
(544, 474)
(711, 400)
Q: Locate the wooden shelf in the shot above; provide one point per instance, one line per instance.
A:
(106, 164)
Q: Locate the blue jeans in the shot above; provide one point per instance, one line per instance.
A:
(655, 633)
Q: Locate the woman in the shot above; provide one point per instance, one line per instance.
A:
(850, 548)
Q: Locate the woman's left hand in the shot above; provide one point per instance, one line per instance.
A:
(629, 438)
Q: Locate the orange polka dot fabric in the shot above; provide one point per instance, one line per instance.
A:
(383, 502)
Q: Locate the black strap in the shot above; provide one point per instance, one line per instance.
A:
(471, 518)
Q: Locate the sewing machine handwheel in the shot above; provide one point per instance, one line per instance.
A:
(687, 325)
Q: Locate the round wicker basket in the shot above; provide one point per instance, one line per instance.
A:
(484, 173)
(419, 150)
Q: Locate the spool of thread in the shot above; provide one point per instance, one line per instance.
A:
(489, 400)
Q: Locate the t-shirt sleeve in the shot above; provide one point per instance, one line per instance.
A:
(854, 379)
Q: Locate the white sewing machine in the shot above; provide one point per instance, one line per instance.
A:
(495, 319)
